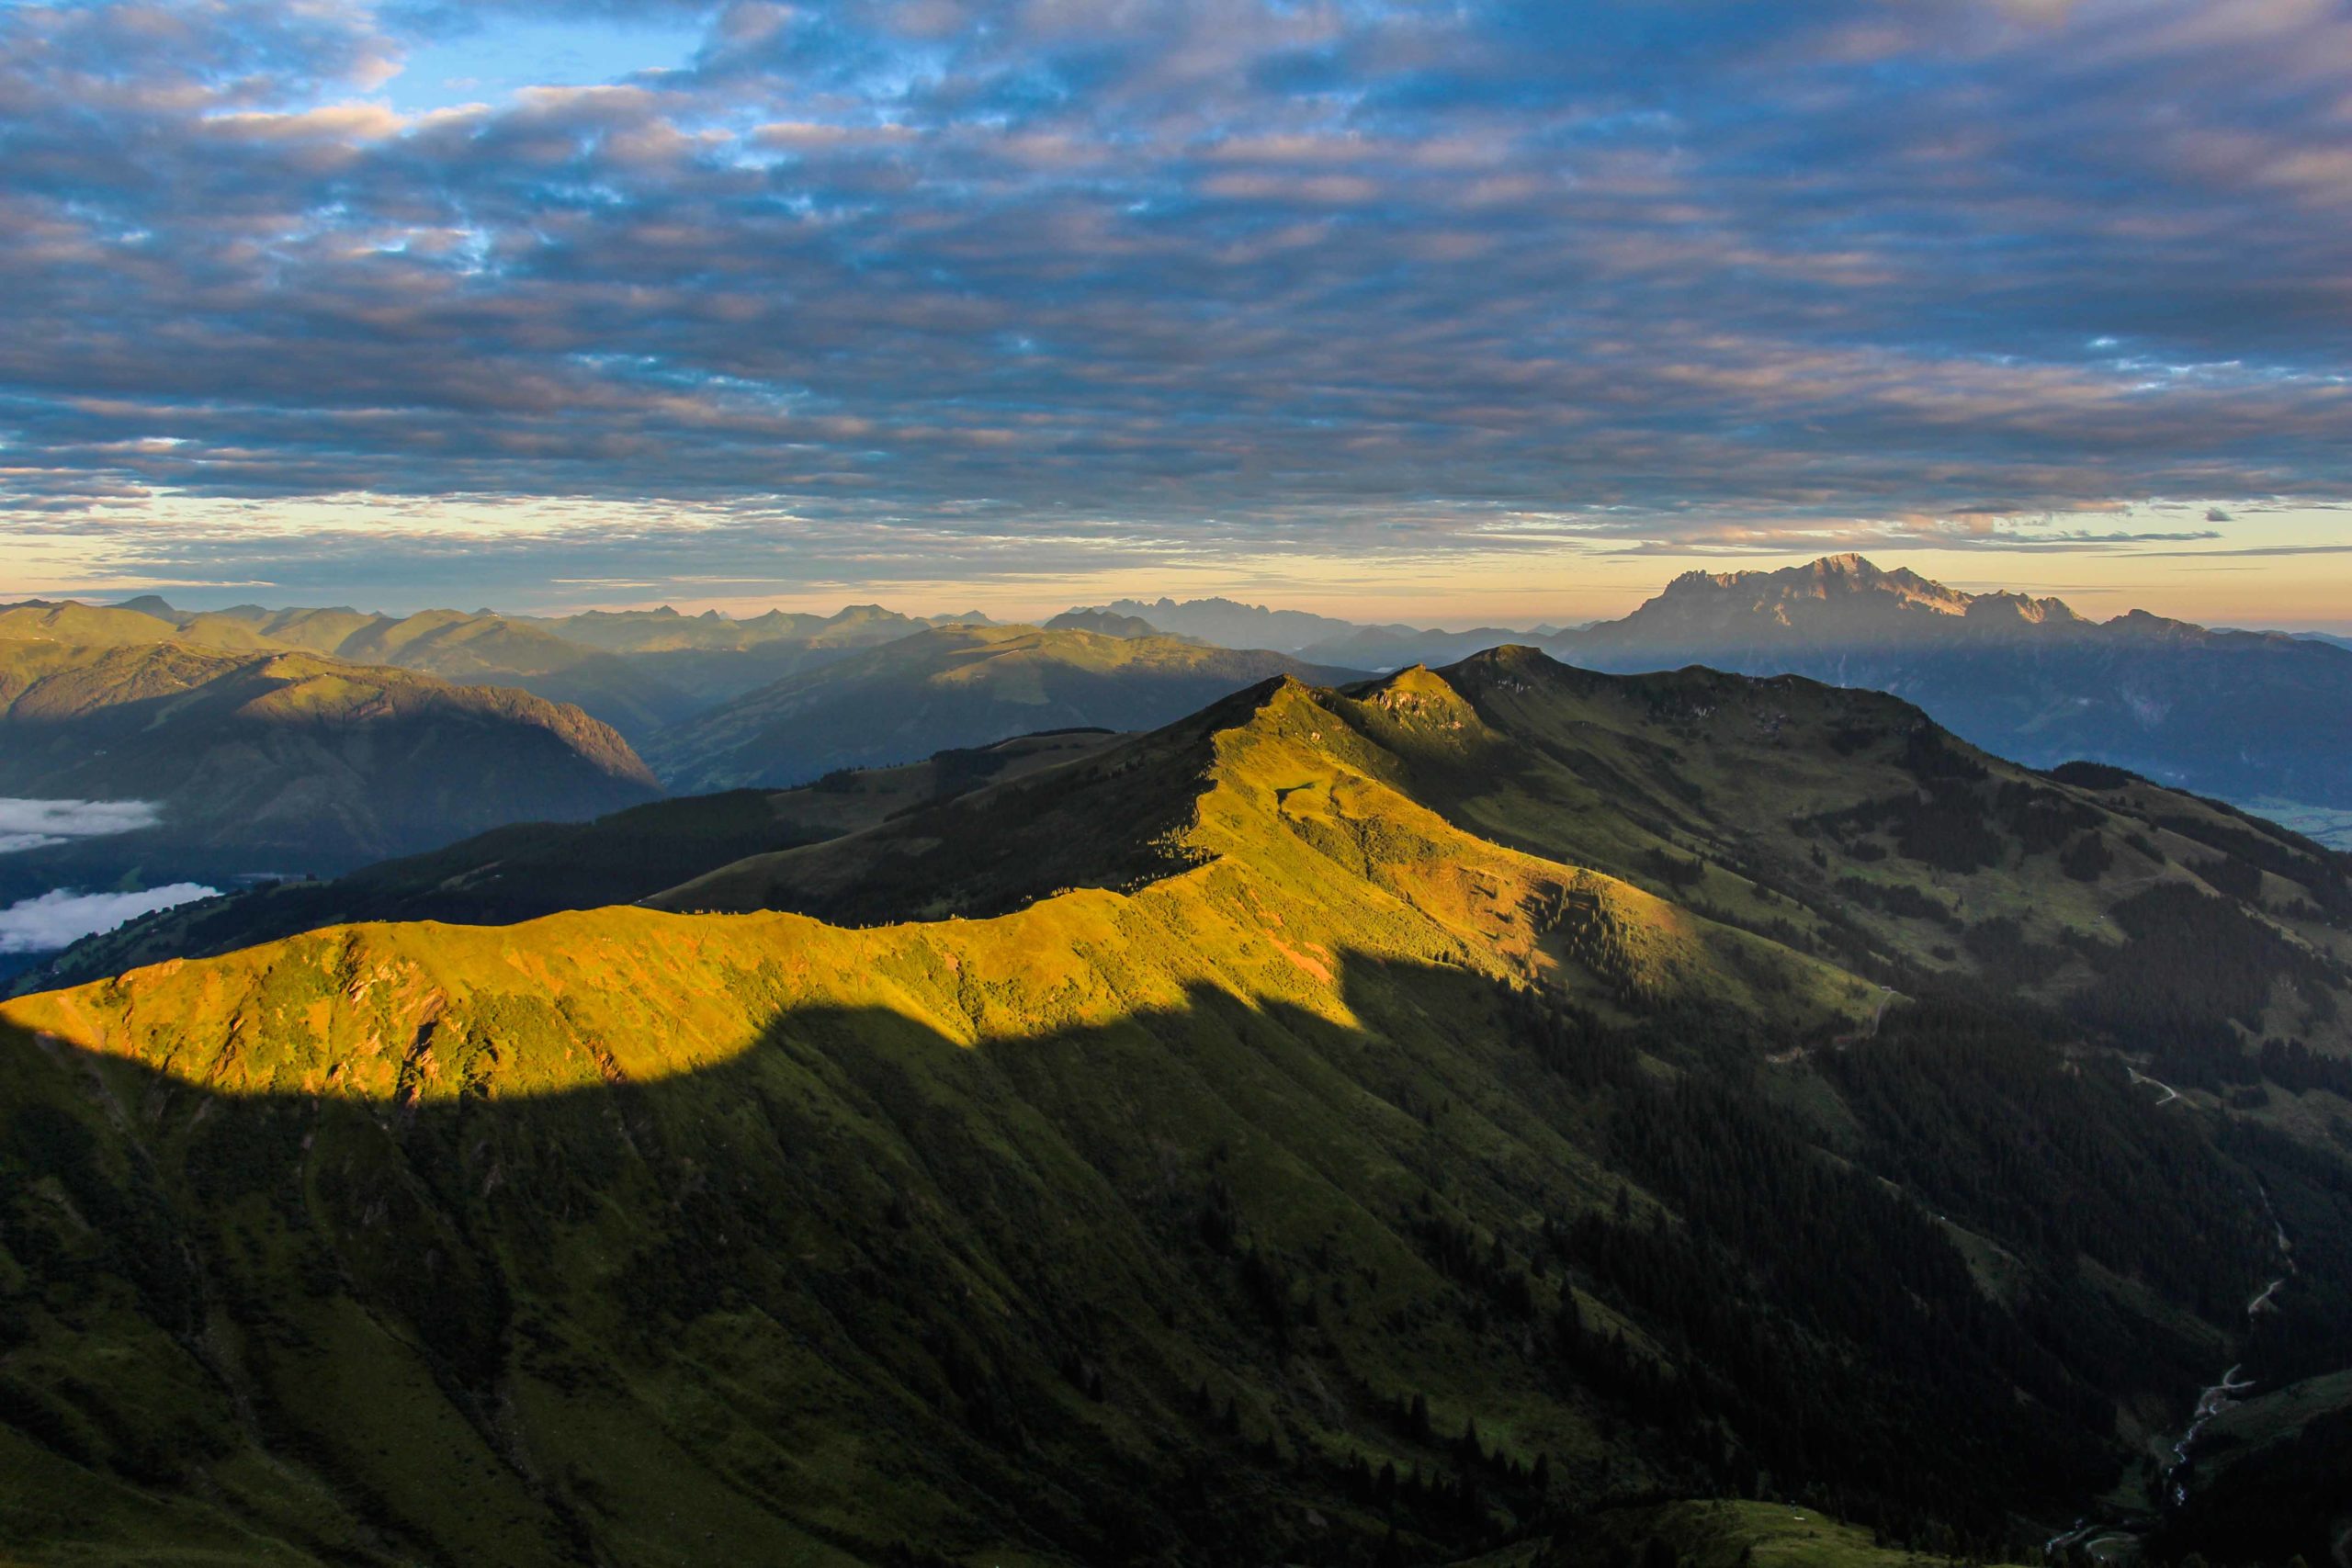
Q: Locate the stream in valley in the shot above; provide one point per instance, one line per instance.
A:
(2093, 1534)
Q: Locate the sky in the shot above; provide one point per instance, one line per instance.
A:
(1448, 311)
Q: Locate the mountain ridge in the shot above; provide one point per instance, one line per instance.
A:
(254, 753)
(1345, 1137)
(951, 685)
(2251, 718)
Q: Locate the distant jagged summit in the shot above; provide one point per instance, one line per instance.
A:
(2231, 713)
(1830, 579)
(1842, 598)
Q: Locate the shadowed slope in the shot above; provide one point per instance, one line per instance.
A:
(715, 658)
(274, 754)
(529, 869)
(1310, 1189)
(1122, 1229)
(1839, 823)
(951, 686)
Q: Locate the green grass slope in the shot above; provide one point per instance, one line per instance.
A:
(1349, 1186)
(528, 869)
(950, 686)
(1839, 823)
(1845, 823)
(77, 624)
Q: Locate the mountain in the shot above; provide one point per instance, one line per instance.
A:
(665, 631)
(483, 648)
(529, 869)
(1395, 647)
(1103, 623)
(2258, 719)
(1318, 639)
(714, 659)
(1305, 1148)
(479, 648)
(101, 626)
(638, 671)
(960, 685)
(1231, 624)
(278, 760)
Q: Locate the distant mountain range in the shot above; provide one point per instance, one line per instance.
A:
(266, 761)
(956, 685)
(2255, 717)
(2260, 719)
(1318, 639)
(636, 670)
(778, 699)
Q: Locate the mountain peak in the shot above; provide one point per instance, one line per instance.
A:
(1838, 576)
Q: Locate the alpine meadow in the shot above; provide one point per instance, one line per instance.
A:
(1236, 784)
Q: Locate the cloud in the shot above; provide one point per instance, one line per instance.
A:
(972, 278)
(36, 824)
(62, 918)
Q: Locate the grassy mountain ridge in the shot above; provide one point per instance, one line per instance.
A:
(1839, 822)
(1309, 1191)
(2256, 719)
(527, 869)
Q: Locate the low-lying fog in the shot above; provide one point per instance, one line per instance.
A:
(63, 916)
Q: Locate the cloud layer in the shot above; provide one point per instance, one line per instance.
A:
(992, 285)
(64, 916)
(36, 824)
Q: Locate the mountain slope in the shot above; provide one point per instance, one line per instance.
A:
(1318, 639)
(1836, 822)
(481, 648)
(714, 659)
(103, 625)
(2249, 717)
(529, 869)
(260, 756)
(1104, 622)
(949, 686)
(636, 670)
(1313, 1177)
(1231, 624)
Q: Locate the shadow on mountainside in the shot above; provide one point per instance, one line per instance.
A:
(326, 789)
(1229, 1281)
